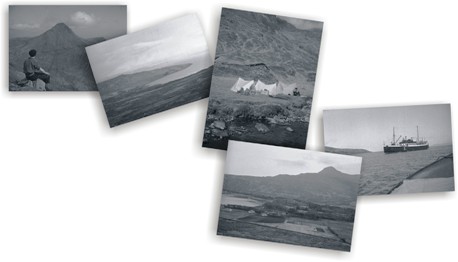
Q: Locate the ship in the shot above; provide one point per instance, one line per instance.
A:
(406, 144)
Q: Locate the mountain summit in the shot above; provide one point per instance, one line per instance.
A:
(58, 37)
(330, 170)
(61, 28)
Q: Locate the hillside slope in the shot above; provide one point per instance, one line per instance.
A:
(261, 46)
(329, 186)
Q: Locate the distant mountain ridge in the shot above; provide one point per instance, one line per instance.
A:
(345, 151)
(60, 52)
(329, 186)
(125, 82)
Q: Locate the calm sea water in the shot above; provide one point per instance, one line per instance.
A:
(380, 172)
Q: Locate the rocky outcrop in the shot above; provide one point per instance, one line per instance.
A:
(17, 82)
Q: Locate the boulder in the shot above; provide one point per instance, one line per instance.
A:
(289, 129)
(261, 128)
(219, 124)
(277, 120)
(272, 120)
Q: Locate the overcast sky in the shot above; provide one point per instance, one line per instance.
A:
(85, 20)
(168, 43)
(369, 128)
(250, 159)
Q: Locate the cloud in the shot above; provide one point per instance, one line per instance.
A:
(25, 26)
(82, 18)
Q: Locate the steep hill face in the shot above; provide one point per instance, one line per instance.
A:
(260, 46)
(329, 186)
(60, 52)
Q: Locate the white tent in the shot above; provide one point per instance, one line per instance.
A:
(241, 85)
(286, 89)
(275, 91)
(260, 86)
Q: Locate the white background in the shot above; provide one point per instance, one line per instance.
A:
(72, 189)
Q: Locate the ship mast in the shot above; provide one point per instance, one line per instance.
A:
(418, 136)
(394, 137)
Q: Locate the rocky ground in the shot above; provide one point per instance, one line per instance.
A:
(15, 82)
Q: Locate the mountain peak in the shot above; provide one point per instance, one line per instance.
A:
(329, 170)
(60, 36)
(61, 27)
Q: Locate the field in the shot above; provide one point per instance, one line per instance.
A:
(281, 120)
(144, 100)
(286, 221)
(237, 228)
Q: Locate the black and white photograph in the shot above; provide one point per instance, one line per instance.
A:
(152, 70)
(289, 196)
(405, 149)
(263, 79)
(47, 44)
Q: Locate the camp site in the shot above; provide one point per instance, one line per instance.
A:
(251, 87)
(253, 111)
(263, 80)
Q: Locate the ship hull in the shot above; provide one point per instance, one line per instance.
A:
(396, 149)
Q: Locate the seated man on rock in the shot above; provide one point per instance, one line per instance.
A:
(33, 71)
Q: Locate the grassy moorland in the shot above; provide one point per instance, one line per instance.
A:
(136, 99)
